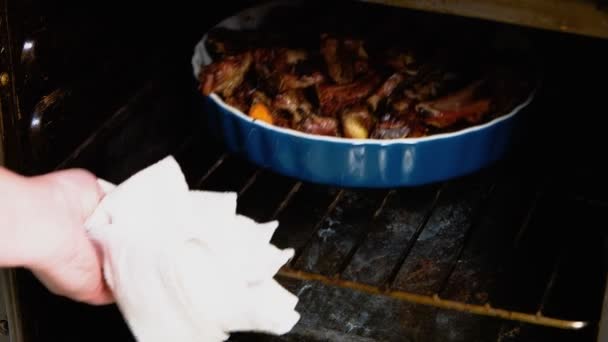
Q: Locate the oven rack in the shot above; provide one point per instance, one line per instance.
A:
(385, 288)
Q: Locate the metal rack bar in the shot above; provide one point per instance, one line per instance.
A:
(435, 301)
(383, 204)
(250, 182)
(328, 211)
(548, 288)
(211, 170)
(388, 283)
(467, 238)
(526, 223)
(361, 238)
(294, 190)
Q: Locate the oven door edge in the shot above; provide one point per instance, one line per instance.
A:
(603, 324)
(9, 306)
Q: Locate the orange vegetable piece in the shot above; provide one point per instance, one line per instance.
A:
(259, 111)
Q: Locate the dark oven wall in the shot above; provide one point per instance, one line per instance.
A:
(109, 87)
(77, 63)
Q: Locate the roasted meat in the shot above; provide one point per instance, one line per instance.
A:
(240, 98)
(345, 58)
(269, 61)
(259, 97)
(356, 84)
(295, 103)
(431, 85)
(293, 81)
(450, 109)
(278, 69)
(318, 125)
(401, 61)
(399, 126)
(403, 105)
(225, 75)
(335, 98)
(385, 90)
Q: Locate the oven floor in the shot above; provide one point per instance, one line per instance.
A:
(527, 234)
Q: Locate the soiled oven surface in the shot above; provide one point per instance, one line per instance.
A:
(474, 240)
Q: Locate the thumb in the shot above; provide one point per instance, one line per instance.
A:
(80, 188)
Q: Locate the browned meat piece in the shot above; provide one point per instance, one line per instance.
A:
(401, 61)
(404, 89)
(259, 97)
(288, 79)
(391, 131)
(237, 102)
(276, 68)
(385, 90)
(433, 84)
(471, 112)
(423, 91)
(334, 98)
(356, 47)
(295, 103)
(403, 105)
(345, 59)
(458, 106)
(339, 73)
(399, 127)
(361, 66)
(292, 57)
(293, 81)
(263, 60)
(277, 119)
(241, 97)
(319, 125)
(226, 75)
(280, 121)
(357, 122)
(417, 129)
(278, 59)
(267, 65)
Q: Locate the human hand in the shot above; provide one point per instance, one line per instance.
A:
(59, 251)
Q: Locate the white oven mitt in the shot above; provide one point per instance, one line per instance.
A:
(183, 266)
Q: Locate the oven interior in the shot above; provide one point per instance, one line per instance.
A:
(515, 252)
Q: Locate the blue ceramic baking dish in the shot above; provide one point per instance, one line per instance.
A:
(345, 162)
(362, 163)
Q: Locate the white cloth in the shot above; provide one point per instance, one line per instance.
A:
(183, 266)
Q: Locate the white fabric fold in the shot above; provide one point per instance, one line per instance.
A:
(183, 266)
